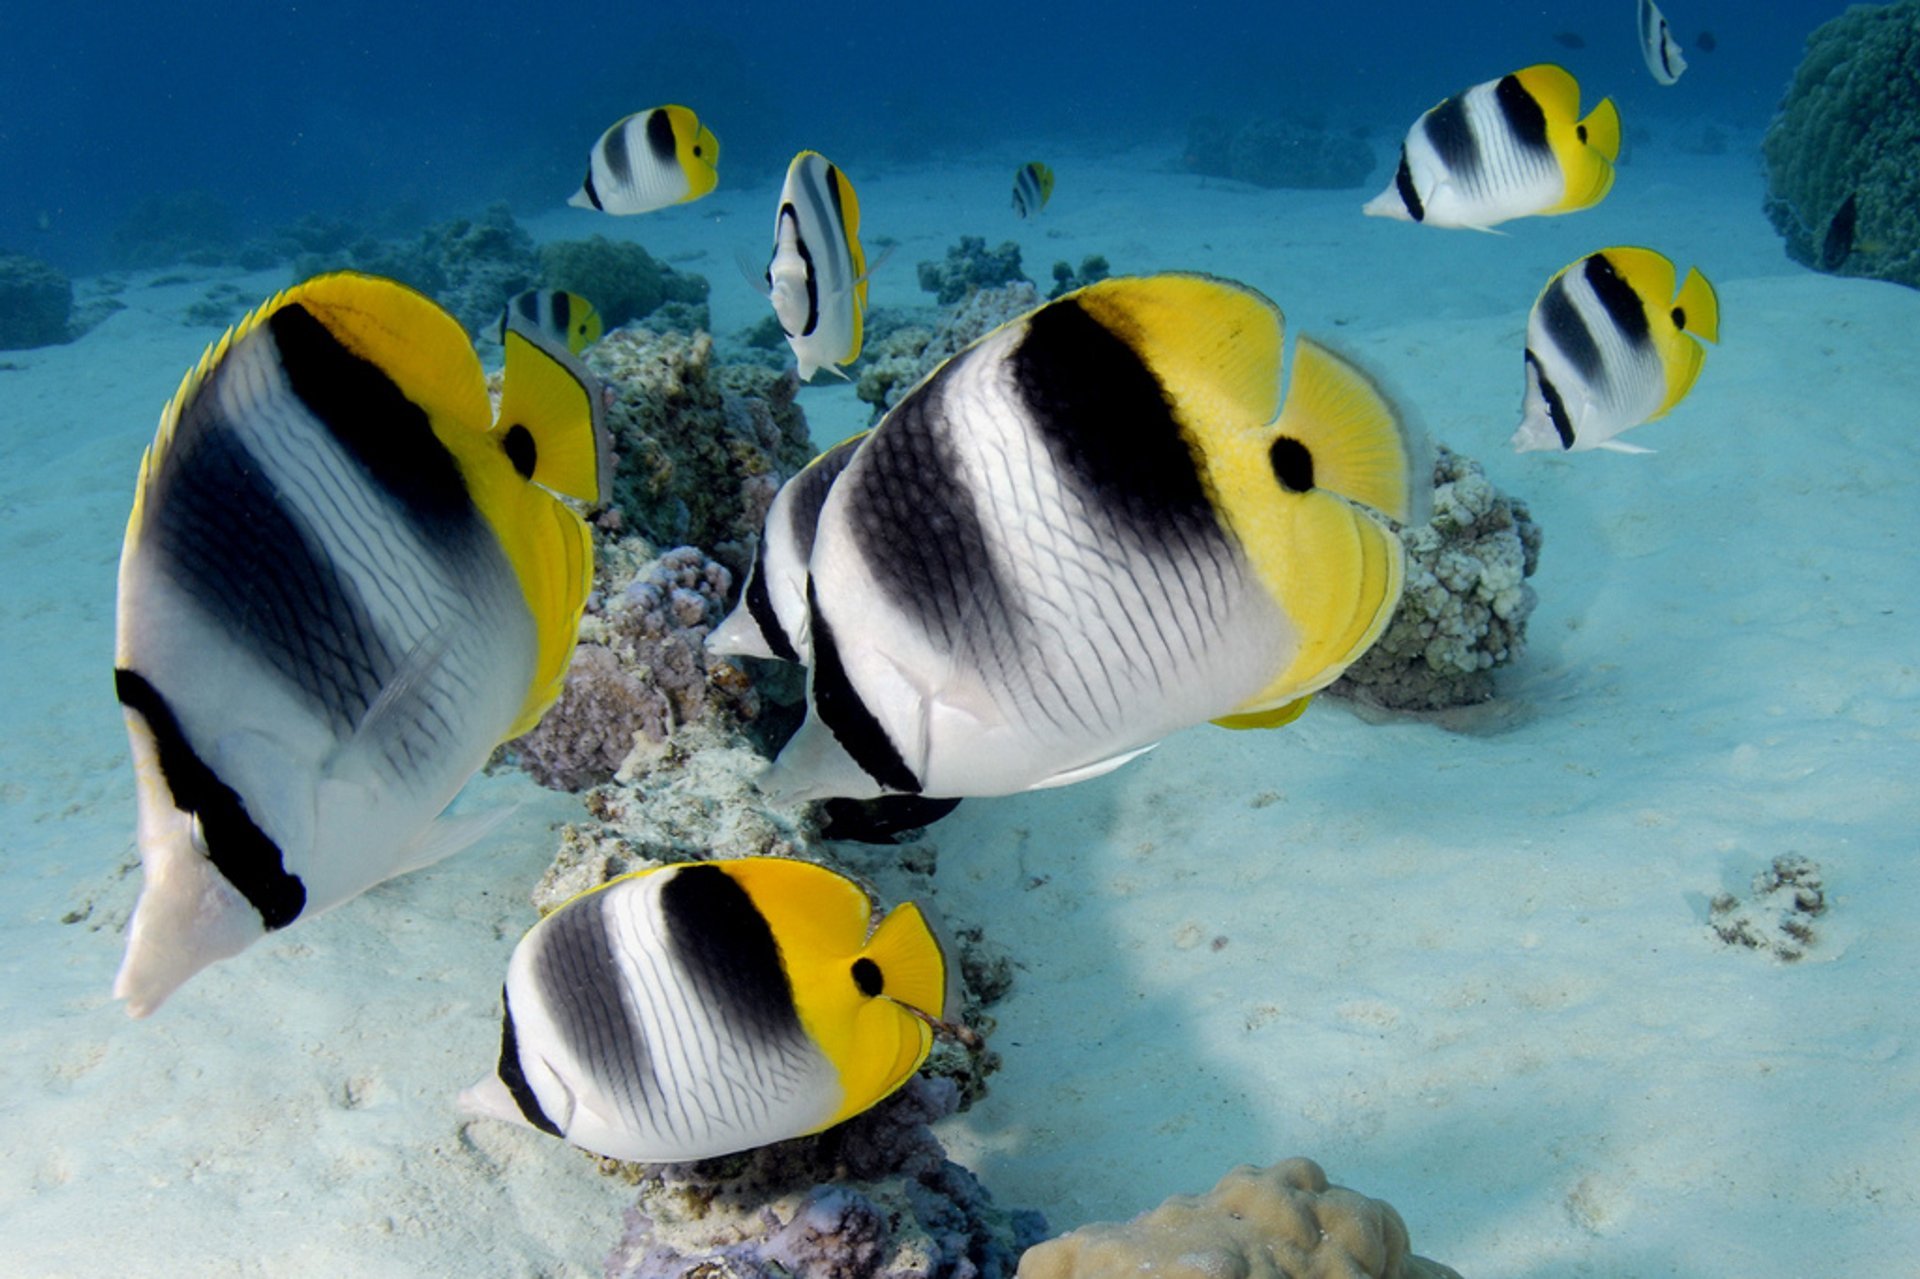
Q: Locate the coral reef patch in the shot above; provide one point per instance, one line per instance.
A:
(1093, 268)
(36, 303)
(1270, 153)
(969, 266)
(1463, 613)
(897, 361)
(1843, 154)
(471, 266)
(1283, 1222)
(626, 284)
(194, 227)
(1777, 914)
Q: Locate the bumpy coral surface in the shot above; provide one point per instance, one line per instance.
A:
(702, 449)
(970, 265)
(875, 1198)
(625, 283)
(898, 361)
(1283, 1222)
(36, 302)
(471, 266)
(1464, 611)
(1849, 127)
(1778, 914)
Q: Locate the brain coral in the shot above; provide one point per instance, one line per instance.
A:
(1283, 1222)
(1850, 127)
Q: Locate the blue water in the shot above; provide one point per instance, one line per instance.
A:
(362, 108)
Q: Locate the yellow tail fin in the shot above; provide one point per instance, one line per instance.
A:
(1359, 446)
(555, 399)
(1701, 305)
(905, 948)
(1602, 127)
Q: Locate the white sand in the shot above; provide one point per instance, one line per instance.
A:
(1466, 968)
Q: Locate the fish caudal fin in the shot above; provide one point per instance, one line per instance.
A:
(1360, 447)
(552, 397)
(1700, 306)
(907, 951)
(1602, 127)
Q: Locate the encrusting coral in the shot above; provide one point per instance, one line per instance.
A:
(1463, 613)
(1843, 155)
(1283, 1222)
(896, 362)
(970, 265)
(36, 303)
(875, 1198)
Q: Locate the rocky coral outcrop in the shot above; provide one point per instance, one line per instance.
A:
(626, 284)
(1464, 611)
(896, 362)
(36, 303)
(471, 266)
(970, 265)
(1843, 155)
(1278, 153)
(1283, 1222)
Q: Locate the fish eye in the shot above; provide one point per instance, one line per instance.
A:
(197, 836)
(867, 976)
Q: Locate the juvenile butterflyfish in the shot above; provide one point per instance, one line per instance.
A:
(771, 618)
(1095, 526)
(344, 582)
(1658, 46)
(1613, 341)
(1032, 188)
(649, 160)
(817, 278)
(1509, 148)
(565, 318)
(705, 1008)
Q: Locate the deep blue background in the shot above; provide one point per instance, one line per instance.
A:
(351, 106)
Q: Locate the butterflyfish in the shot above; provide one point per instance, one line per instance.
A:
(1032, 188)
(771, 618)
(649, 160)
(1509, 148)
(1613, 341)
(1658, 46)
(1093, 527)
(344, 582)
(705, 1008)
(817, 278)
(566, 318)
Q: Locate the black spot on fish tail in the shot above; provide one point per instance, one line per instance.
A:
(868, 978)
(514, 1075)
(846, 716)
(243, 854)
(1568, 328)
(730, 955)
(1292, 464)
(1623, 306)
(520, 450)
(1556, 406)
(1679, 317)
(760, 608)
(1403, 182)
(1451, 134)
(1525, 119)
(388, 434)
(660, 138)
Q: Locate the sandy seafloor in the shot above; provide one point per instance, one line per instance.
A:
(1465, 965)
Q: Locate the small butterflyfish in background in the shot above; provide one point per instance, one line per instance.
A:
(1510, 148)
(1613, 341)
(566, 318)
(704, 1008)
(1657, 44)
(344, 582)
(1094, 527)
(817, 278)
(1032, 188)
(649, 160)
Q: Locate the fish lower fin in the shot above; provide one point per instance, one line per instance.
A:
(1084, 772)
(1617, 445)
(1273, 717)
(448, 835)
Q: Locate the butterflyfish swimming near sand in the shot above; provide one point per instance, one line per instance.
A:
(1509, 148)
(705, 1008)
(649, 160)
(817, 278)
(344, 582)
(566, 318)
(1657, 45)
(1613, 341)
(1032, 188)
(1095, 526)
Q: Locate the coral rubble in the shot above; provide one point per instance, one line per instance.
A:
(1283, 1222)
(1464, 610)
(36, 303)
(1843, 155)
(1778, 914)
(1277, 153)
(874, 1198)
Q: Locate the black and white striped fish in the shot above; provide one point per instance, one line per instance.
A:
(1032, 188)
(1658, 46)
(649, 160)
(817, 278)
(565, 318)
(1091, 528)
(1509, 148)
(344, 583)
(705, 1008)
(1612, 342)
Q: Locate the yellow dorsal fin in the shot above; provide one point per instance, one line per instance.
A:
(1214, 345)
(856, 256)
(1555, 89)
(547, 392)
(1279, 717)
(411, 338)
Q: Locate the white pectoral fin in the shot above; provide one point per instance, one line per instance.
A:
(450, 834)
(739, 636)
(1618, 445)
(1067, 777)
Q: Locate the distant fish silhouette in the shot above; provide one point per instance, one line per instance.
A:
(1705, 42)
(1570, 40)
(1837, 247)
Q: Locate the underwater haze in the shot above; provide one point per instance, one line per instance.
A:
(1571, 926)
